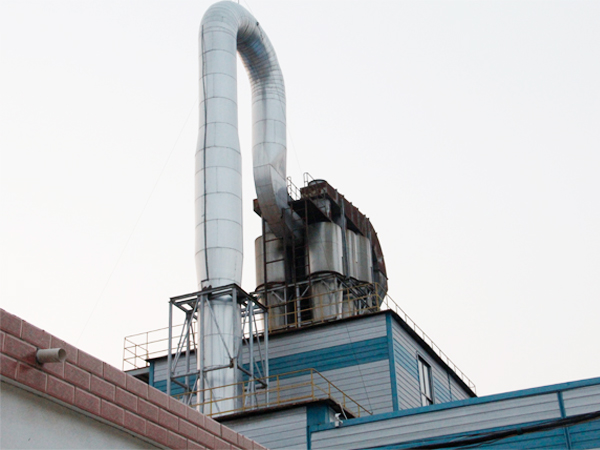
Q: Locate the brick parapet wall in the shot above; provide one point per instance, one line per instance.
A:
(99, 390)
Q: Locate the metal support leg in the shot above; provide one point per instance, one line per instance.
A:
(170, 354)
(188, 324)
(201, 385)
(251, 384)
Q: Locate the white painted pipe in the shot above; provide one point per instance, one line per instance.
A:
(226, 30)
(50, 355)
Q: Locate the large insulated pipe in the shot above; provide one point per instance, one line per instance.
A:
(228, 29)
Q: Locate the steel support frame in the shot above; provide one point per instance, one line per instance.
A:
(364, 295)
(255, 342)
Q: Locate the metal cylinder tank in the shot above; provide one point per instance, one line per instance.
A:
(325, 248)
(360, 263)
(273, 252)
(275, 255)
(325, 254)
(360, 267)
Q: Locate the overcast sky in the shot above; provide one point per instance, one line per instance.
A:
(468, 132)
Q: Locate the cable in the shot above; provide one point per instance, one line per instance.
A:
(248, 6)
(137, 221)
(283, 110)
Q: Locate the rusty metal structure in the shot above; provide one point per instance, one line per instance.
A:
(331, 266)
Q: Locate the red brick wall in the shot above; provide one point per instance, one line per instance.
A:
(87, 384)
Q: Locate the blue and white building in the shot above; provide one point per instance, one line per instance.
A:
(318, 356)
(350, 370)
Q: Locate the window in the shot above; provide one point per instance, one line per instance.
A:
(425, 383)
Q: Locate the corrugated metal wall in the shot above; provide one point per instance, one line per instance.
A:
(159, 379)
(439, 424)
(278, 430)
(160, 367)
(374, 358)
(333, 334)
(406, 353)
(580, 401)
(458, 393)
(355, 356)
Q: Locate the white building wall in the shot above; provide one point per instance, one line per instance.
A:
(29, 421)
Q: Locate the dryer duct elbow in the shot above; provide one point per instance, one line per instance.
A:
(228, 29)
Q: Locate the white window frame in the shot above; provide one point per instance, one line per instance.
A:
(425, 382)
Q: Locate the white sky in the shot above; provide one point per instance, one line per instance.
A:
(469, 133)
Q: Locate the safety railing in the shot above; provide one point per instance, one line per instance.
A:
(318, 305)
(284, 389)
(334, 304)
(293, 190)
(139, 348)
(389, 303)
(341, 303)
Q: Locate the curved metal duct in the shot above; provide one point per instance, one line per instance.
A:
(227, 28)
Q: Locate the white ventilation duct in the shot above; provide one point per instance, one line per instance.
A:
(227, 29)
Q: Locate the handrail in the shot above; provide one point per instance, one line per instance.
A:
(390, 304)
(292, 189)
(317, 387)
(153, 344)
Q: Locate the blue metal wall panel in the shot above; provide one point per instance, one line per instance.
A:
(437, 422)
(332, 358)
(585, 435)
(406, 353)
(161, 385)
(476, 417)
(391, 356)
(326, 335)
(551, 440)
(406, 359)
(407, 387)
(441, 391)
